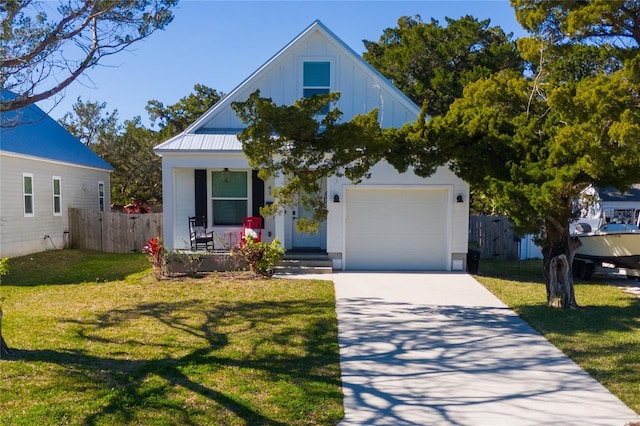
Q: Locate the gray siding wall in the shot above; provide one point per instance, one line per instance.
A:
(20, 235)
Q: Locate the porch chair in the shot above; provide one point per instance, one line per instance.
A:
(251, 226)
(198, 235)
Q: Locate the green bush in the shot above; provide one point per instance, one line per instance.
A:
(261, 257)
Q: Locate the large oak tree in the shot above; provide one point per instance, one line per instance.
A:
(533, 142)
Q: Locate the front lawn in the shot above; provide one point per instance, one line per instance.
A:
(97, 340)
(603, 337)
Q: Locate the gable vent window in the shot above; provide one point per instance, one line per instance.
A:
(316, 80)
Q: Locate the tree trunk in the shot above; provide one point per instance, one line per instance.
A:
(557, 260)
(4, 349)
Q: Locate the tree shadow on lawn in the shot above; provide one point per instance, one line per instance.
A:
(128, 377)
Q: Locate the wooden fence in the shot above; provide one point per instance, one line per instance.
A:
(493, 236)
(112, 232)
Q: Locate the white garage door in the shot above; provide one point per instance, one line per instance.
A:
(396, 229)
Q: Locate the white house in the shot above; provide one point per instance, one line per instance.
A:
(44, 170)
(609, 205)
(392, 221)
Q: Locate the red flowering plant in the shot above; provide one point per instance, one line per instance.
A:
(157, 255)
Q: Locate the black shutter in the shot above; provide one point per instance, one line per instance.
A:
(200, 180)
(257, 193)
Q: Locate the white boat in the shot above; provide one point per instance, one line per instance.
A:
(613, 243)
(608, 229)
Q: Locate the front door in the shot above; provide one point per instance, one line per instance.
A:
(302, 240)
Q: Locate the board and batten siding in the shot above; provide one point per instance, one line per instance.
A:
(20, 235)
(361, 91)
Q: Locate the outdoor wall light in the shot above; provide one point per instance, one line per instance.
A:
(225, 175)
(336, 198)
(459, 198)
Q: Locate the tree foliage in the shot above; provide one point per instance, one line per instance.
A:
(128, 147)
(292, 141)
(89, 121)
(175, 118)
(532, 143)
(431, 63)
(138, 171)
(43, 50)
(594, 21)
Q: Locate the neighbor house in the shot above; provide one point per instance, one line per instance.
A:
(44, 170)
(391, 221)
(610, 205)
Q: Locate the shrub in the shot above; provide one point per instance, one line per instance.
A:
(157, 255)
(261, 257)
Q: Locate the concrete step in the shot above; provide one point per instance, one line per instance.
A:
(305, 263)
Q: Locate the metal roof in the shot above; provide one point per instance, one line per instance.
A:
(197, 137)
(613, 194)
(221, 140)
(31, 132)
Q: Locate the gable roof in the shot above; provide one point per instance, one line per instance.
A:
(31, 132)
(612, 194)
(199, 136)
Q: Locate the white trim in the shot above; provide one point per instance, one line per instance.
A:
(49, 160)
(54, 196)
(102, 197)
(31, 194)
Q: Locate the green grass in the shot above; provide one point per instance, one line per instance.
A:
(96, 340)
(603, 337)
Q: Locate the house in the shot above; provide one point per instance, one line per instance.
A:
(609, 205)
(391, 221)
(44, 170)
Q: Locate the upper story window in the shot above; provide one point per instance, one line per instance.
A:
(27, 191)
(229, 197)
(57, 196)
(316, 80)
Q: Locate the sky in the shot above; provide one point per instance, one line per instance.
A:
(220, 43)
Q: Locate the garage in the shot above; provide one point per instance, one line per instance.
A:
(396, 228)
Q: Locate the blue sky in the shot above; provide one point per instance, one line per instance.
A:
(220, 43)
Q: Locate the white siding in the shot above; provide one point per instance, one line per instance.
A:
(20, 235)
(384, 175)
(361, 89)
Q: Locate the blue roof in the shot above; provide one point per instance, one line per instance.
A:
(29, 131)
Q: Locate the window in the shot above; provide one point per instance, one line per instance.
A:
(57, 196)
(316, 80)
(27, 190)
(101, 196)
(229, 199)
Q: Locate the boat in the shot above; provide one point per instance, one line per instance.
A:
(608, 230)
(612, 245)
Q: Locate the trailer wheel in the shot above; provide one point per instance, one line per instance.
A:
(585, 271)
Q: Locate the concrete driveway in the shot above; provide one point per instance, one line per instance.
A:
(439, 349)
